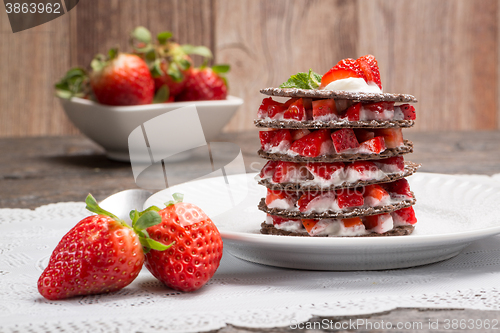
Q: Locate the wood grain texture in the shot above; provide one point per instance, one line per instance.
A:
(32, 60)
(445, 52)
(106, 24)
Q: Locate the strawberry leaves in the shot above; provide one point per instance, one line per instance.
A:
(161, 95)
(94, 207)
(143, 220)
(140, 222)
(302, 80)
(178, 197)
(73, 84)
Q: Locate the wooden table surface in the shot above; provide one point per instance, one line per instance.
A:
(39, 171)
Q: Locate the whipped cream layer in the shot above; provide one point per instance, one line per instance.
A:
(353, 84)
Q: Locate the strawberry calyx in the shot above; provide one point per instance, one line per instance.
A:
(100, 61)
(143, 220)
(75, 83)
(178, 197)
(140, 222)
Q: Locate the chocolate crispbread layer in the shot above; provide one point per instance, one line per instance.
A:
(339, 94)
(389, 152)
(269, 229)
(316, 124)
(410, 169)
(353, 212)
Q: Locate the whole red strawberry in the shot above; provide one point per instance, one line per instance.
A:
(100, 254)
(204, 84)
(175, 86)
(121, 79)
(196, 248)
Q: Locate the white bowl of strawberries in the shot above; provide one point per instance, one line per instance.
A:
(122, 91)
(110, 126)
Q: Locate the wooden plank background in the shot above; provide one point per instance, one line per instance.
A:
(445, 52)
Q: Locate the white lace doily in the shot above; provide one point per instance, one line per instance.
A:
(241, 293)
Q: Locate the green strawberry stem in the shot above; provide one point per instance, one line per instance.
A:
(178, 197)
(140, 222)
(94, 207)
(143, 220)
(73, 84)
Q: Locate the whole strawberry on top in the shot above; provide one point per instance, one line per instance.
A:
(100, 254)
(196, 248)
(205, 83)
(121, 79)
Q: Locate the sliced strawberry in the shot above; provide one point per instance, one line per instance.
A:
(362, 168)
(309, 224)
(282, 139)
(296, 111)
(344, 139)
(299, 133)
(275, 111)
(377, 111)
(408, 112)
(363, 135)
(349, 198)
(314, 144)
(353, 112)
(378, 223)
(270, 108)
(290, 102)
(265, 138)
(273, 195)
(277, 220)
(277, 138)
(369, 66)
(373, 146)
(392, 164)
(316, 201)
(289, 172)
(404, 216)
(371, 221)
(268, 169)
(352, 222)
(324, 109)
(324, 170)
(393, 137)
(399, 188)
(375, 195)
(344, 69)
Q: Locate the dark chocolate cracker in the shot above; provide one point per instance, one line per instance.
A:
(269, 229)
(389, 152)
(353, 212)
(316, 124)
(339, 94)
(410, 168)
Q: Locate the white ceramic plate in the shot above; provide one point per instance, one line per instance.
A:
(452, 212)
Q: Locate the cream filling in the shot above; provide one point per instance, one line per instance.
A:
(353, 84)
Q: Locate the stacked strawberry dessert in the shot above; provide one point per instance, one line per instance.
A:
(335, 155)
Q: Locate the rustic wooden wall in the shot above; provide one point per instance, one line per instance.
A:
(444, 52)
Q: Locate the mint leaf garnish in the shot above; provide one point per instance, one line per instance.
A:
(302, 80)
